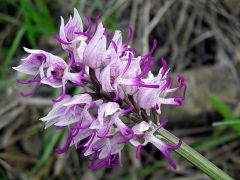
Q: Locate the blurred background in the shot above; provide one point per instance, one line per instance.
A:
(200, 39)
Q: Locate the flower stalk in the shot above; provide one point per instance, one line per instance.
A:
(194, 157)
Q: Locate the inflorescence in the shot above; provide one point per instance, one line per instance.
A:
(121, 101)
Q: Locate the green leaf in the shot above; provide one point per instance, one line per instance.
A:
(213, 142)
(38, 17)
(9, 19)
(223, 109)
(48, 149)
(12, 51)
(28, 14)
(226, 123)
(46, 18)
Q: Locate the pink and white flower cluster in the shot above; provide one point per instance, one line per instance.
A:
(122, 99)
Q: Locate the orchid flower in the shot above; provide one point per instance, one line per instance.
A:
(106, 152)
(123, 74)
(146, 132)
(148, 98)
(67, 34)
(120, 92)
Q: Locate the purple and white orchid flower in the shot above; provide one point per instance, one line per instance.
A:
(120, 94)
(145, 132)
(68, 33)
(108, 118)
(148, 98)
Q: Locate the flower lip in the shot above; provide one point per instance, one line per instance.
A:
(100, 164)
(90, 142)
(149, 53)
(127, 65)
(96, 27)
(63, 149)
(59, 39)
(127, 136)
(89, 24)
(162, 124)
(104, 133)
(165, 67)
(171, 147)
(83, 33)
(129, 38)
(61, 97)
(183, 85)
(32, 80)
(138, 151)
(80, 126)
(32, 91)
(114, 46)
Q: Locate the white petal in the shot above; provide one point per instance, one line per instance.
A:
(94, 53)
(33, 51)
(57, 110)
(78, 19)
(105, 79)
(111, 108)
(117, 38)
(79, 99)
(50, 81)
(141, 127)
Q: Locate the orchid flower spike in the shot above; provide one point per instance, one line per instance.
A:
(120, 99)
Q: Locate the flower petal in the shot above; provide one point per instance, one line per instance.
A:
(94, 53)
(79, 99)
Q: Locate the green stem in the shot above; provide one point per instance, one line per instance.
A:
(194, 157)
